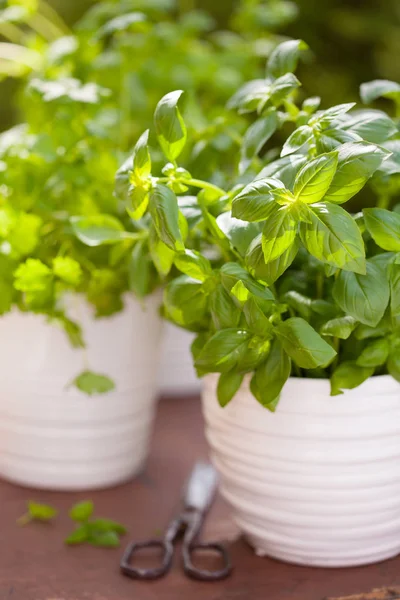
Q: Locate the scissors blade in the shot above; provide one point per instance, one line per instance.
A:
(201, 486)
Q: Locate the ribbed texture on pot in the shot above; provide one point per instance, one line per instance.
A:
(51, 434)
(177, 374)
(318, 482)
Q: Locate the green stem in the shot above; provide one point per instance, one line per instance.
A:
(44, 27)
(383, 201)
(52, 15)
(203, 185)
(24, 520)
(320, 285)
(12, 33)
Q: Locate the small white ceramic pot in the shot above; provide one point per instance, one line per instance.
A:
(52, 435)
(177, 374)
(318, 482)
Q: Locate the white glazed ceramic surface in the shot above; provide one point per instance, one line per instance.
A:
(177, 374)
(318, 482)
(54, 436)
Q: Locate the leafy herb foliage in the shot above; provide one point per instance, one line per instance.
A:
(279, 275)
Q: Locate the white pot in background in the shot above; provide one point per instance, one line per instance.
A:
(177, 374)
(51, 434)
(318, 482)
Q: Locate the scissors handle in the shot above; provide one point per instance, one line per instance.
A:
(133, 572)
(194, 572)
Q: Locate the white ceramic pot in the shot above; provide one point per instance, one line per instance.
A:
(318, 482)
(177, 374)
(52, 435)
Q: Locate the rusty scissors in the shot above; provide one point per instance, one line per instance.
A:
(198, 494)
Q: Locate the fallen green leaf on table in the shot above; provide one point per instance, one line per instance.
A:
(99, 532)
(38, 512)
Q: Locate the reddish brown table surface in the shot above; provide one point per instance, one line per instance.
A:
(35, 565)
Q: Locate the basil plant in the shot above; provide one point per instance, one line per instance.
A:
(292, 268)
(86, 94)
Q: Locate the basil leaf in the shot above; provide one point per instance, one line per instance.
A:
(281, 88)
(98, 229)
(251, 204)
(284, 58)
(279, 231)
(249, 96)
(348, 375)
(224, 311)
(239, 233)
(283, 169)
(384, 226)
(233, 272)
(325, 118)
(298, 140)
(364, 297)
(375, 354)
(394, 279)
(103, 539)
(314, 179)
(341, 327)
(169, 125)
(357, 162)
(140, 270)
(67, 269)
(41, 512)
(303, 344)
(141, 156)
(78, 536)
(223, 351)
(161, 255)
(138, 201)
(271, 376)
(332, 236)
(93, 383)
(256, 320)
(256, 136)
(185, 302)
(228, 385)
(82, 511)
(270, 272)
(372, 125)
(108, 525)
(393, 365)
(165, 214)
(379, 88)
(195, 265)
(330, 139)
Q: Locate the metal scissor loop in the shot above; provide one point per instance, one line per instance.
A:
(199, 492)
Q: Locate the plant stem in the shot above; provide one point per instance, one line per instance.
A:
(203, 185)
(12, 33)
(320, 285)
(383, 201)
(24, 520)
(52, 15)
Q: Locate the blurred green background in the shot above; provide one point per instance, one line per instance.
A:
(352, 40)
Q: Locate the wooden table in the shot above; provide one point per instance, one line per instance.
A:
(35, 565)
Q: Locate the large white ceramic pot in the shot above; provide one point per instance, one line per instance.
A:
(51, 434)
(318, 482)
(177, 374)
